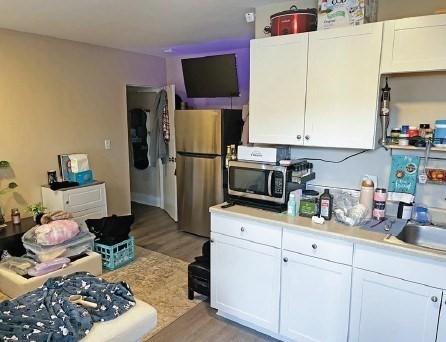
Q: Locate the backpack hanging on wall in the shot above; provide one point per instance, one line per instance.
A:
(138, 134)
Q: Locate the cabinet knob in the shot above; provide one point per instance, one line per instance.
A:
(242, 229)
(307, 137)
(434, 299)
(212, 241)
(299, 137)
(314, 246)
(285, 259)
(67, 202)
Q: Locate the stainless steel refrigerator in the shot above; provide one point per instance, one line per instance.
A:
(201, 139)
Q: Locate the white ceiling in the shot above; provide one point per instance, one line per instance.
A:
(147, 26)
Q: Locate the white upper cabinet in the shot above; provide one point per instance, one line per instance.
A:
(277, 89)
(343, 87)
(414, 44)
(384, 308)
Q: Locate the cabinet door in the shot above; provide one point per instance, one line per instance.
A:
(315, 299)
(277, 89)
(384, 308)
(343, 87)
(414, 44)
(245, 280)
(441, 336)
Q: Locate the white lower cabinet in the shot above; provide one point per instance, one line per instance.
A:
(385, 308)
(315, 299)
(441, 335)
(245, 280)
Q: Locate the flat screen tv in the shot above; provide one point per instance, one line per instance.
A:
(212, 76)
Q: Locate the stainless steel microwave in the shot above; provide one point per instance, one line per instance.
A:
(258, 183)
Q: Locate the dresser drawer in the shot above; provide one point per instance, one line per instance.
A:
(84, 198)
(263, 233)
(318, 246)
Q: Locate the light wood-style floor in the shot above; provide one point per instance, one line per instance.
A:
(155, 230)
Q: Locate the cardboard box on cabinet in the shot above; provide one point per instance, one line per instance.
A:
(338, 13)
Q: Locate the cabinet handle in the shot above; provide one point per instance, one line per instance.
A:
(285, 259)
(299, 137)
(242, 229)
(314, 246)
(307, 137)
(212, 241)
(434, 299)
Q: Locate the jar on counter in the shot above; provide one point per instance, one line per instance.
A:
(404, 139)
(395, 136)
(423, 130)
(15, 216)
(413, 132)
(309, 203)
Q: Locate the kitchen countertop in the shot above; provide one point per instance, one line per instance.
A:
(331, 229)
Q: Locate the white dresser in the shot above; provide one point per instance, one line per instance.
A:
(84, 202)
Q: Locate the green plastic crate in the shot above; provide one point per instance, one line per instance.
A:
(117, 255)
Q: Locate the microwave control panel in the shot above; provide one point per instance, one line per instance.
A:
(278, 184)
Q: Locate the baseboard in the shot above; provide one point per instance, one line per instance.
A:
(145, 199)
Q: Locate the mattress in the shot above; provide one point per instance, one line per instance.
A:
(129, 327)
(13, 285)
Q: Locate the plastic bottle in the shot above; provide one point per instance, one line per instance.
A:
(228, 156)
(292, 205)
(326, 205)
(366, 195)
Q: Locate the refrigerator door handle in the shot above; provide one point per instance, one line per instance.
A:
(198, 155)
(270, 178)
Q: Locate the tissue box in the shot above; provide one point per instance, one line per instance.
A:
(84, 177)
(346, 13)
(79, 162)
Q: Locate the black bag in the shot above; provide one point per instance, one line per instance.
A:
(110, 230)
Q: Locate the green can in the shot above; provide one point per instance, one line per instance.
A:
(309, 203)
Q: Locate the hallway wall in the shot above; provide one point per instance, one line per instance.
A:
(144, 184)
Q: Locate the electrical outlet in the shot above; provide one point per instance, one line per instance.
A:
(250, 17)
(107, 144)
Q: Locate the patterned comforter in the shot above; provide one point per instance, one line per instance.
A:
(46, 313)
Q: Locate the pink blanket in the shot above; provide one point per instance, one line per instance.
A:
(56, 232)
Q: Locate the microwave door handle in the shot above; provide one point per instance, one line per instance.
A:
(270, 178)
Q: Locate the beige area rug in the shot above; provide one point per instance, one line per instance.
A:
(158, 280)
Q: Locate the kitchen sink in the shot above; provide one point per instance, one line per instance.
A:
(429, 236)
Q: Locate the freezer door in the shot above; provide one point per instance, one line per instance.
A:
(199, 187)
(198, 131)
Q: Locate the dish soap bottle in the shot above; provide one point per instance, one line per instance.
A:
(292, 210)
(366, 195)
(326, 205)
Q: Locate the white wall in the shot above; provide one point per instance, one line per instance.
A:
(415, 99)
(59, 96)
(175, 76)
(144, 184)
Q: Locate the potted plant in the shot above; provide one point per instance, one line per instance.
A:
(38, 210)
(11, 185)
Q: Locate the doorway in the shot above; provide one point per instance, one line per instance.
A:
(151, 183)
